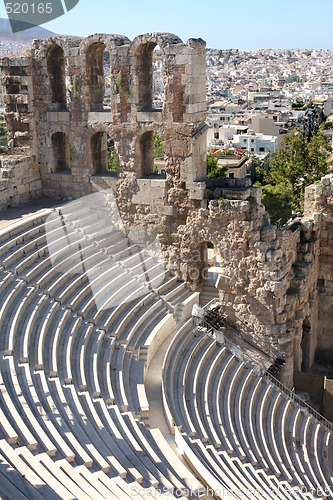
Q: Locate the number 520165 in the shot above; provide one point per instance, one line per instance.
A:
(29, 8)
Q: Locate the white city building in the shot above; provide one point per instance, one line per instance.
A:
(256, 142)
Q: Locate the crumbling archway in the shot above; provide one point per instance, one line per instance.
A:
(56, 67)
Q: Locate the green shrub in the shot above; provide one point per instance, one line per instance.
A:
(225, 204)
(158, 146)
(213, 170)
(278, 201)
(112, 161)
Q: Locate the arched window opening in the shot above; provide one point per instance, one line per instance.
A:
(158, 79)
(159, 159)
(112, 155)
(56, 66)
(107, 77)
(99, 154)
(211, 253)
(61, 152)
(150, 72)
(152, 156)
(96, 59)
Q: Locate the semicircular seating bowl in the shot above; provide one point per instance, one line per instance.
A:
(237, 429)
(73, 406)
(74, 414)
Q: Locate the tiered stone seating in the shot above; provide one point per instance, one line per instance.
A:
(237, 428)
(79, 329)
(72, 392)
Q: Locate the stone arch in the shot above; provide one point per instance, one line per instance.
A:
(142, 49)
(56, 67)
(158, 78)
(99, 85)
(148, 164)
(144, 71)
(61, 154)
(99, 154)
(95, 75)
(110, 41)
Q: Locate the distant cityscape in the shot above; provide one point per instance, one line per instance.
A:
(254, 98)
(10, 48)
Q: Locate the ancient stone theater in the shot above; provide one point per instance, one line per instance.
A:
(110, 387)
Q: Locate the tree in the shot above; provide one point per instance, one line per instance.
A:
(319, 152)
(213, 170)
(288, 163)
(297, 163)
(158, 146)
(327, 125)
(278, 201)
(112, 161)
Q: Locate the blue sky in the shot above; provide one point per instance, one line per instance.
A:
(242, 24)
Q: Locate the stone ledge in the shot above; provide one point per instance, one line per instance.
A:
(150, 116)
(61, 176)
(58, 116)
(100, 116)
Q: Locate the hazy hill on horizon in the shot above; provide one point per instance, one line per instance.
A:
(6, 34)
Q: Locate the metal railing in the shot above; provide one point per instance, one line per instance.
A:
(222, 340)
(261, 370)
(300, 401)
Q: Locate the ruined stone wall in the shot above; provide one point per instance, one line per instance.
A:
(56, 95)
(319, 207)
(275, 284)
(130, 118)
(20, 179)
